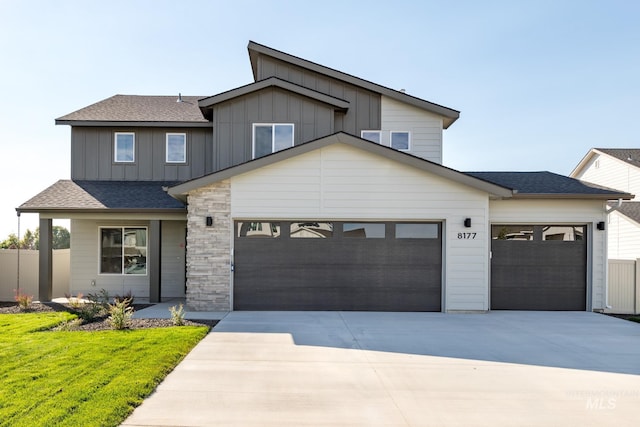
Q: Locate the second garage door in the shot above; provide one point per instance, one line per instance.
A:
(316, 265)
(538, 267)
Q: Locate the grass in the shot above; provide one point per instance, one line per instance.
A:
(75, 378)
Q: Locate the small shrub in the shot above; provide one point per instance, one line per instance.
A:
(75, 302)
(70, 325)
(120, 313)
(102, 298)
(177, 315)
(128, 298)
(23, 300)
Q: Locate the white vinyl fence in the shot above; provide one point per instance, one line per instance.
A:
(29, 273)
(624, 286)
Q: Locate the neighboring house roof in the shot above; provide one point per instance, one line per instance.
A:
(180, 191)
(630, 156)
(139, 110)
(629, 209)
(549, 185)
(273, 82)
(255, 49)
(114, 196)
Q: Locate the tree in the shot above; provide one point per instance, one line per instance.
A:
(61, 239)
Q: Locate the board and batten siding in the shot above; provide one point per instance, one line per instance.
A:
(557, 212)
(425, 128)
(624, 237)
(92, 154)
(613, 173)
(85, 259)
(344, 183)
(234, 119)
(364, 105)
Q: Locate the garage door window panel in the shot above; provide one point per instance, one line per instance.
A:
(311, 230)
(416, 231)
(364, 230)
(258, 229)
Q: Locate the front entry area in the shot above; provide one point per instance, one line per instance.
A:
(538, 267)
(334, 265)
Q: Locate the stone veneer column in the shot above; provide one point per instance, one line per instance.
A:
(209, 248)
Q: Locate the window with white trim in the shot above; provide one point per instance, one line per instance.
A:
(400, 140)
(176, 148)
(123, 250)
(124, 147)
(271, 137)
(372, 135)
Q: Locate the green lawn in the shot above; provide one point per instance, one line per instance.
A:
(81, 378)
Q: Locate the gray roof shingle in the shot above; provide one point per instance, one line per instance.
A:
(139, 108)
(67, 195)
(629, 155)
(630, 210)
(545, 183)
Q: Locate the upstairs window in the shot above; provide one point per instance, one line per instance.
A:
(271, 137)
(124, 147)
(372, 135)
(400, 140)
(176, 148)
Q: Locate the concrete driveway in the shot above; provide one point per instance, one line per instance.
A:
(405, 369)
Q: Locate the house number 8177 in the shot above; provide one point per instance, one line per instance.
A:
(467, 235)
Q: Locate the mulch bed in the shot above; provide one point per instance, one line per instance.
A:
(101, 323)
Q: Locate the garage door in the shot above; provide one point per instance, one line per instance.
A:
(316, 265)
(538, 267)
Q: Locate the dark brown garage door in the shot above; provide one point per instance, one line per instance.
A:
(541, 267)
(311, 265)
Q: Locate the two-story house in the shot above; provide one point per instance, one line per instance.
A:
(312, 189)
(617, 168)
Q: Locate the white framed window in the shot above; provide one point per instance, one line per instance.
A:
(400, 140)
(124, 147)
(372, 135)
(123, 250)
(176, 148)
(271, 137)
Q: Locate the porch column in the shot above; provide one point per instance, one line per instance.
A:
(45, 261)
(154, 260)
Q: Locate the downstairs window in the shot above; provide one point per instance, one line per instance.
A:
(123, 250)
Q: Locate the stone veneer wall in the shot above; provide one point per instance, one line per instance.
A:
(209, 248)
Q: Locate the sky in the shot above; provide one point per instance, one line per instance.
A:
(538, 83)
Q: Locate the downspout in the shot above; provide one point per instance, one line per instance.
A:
(606, 281)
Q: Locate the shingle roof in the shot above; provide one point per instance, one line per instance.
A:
(547, 184)
(630, 210)
(629, 155)
(139, 108)
(67, 195)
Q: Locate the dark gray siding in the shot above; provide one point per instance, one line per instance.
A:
(233, 120)
(92, 155)
(364, 111)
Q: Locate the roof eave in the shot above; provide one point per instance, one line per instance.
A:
(111, 123)
(181, 190)
(573, 196)
(21, 210)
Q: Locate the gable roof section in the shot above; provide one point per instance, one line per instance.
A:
(139, 110)
(630, 156)
(210, 101)
(548, 185)
(114, 196)
(255, 49)
(629, 209)
(180, 191)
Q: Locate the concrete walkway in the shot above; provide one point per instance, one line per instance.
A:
(161, 311)
(405, 369)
